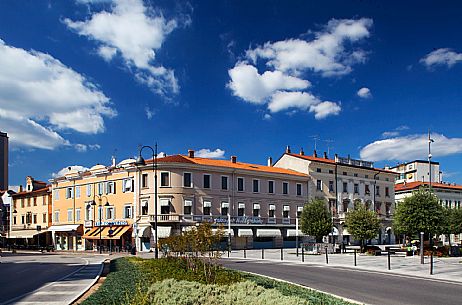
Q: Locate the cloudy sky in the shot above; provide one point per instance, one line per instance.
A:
(83, 80)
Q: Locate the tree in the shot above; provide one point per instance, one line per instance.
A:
(362, 223)
(316, 219)
(455, 221)
(420, 212)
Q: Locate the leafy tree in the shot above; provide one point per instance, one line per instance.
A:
(316, 219)
(362, 224)
(455, 221)
(420, 212)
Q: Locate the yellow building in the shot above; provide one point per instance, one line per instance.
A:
(31, 215)
(93, 207)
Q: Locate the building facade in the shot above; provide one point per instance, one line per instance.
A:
(30, 214)
(417, 170)
(343, 181)
(259, 204)
(3, 161)
(94, 208)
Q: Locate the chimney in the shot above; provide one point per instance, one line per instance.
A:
(20, 188)
(325, 156)
(190, 153)
(270, 161)
(302, 153)
(315, 154)
(233, 159)
(113, 159)
(288, 149)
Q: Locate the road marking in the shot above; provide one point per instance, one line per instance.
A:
(70, 284)
(47, 292)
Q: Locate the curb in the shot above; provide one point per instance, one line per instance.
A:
(90, 285)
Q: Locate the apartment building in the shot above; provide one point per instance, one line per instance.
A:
(343, 181)
(30, 214)
(449, 195)
(259, 203)
(93, 208)
(6, 203)
(417, 170)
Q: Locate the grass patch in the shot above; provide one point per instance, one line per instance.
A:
(170, 281)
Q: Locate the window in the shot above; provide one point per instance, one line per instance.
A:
(206, 183)
(28, 201)
(377, 190)
(271, 210)
(206, 208)
(77, 191)
(88, 190)
(345, 174)
(224, 183)
(388, 209)
(100, 212)
(345, 187)
(144, 207)
(318, 170)
(69, 215)
(256, 210)
(285, 211)
(22, 219)
(240, 184)
(35, 201)
(187, 210)
(45, 200)
(88, 210)
(164, 179)
(240, 209)
(187, 179)
(109, 212)
(285, 188)
(44, 217)
(110, 187)
(299, 189)
(331, 171)
(224, 208)
(345, 203)
(22, 202)
(356, 188)
(35, 218)
(366, 189)
(144, 180)
(56, 220)
(100, 188)
(331, 186)
(271, 187)
(14, 220)
(366, 176)
(299, 212)
(69, 192)
(56, 197)
(127, 185)
(77, 215)
(387, 191)
(355, 174)
(319, 185)
(165, 206)
(128, 211)
(256, 185)
(378, 207)
(29, 218)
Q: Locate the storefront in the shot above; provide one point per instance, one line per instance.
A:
(110, 235)
(67, 237)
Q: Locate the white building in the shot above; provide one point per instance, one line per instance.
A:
(417, 170)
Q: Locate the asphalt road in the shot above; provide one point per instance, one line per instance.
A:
(22, 274)
(362, 286)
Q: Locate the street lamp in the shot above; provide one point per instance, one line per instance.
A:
(100, 205)
(430, 140)
(141, 162)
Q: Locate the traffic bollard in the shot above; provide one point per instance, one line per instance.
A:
(303, 255)
(262, 253)
(245, 254)
(389, 265)
(431, 263)
(327, 257)
(282, 255)
(355, 257)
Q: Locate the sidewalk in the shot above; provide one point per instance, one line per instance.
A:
(448, 269)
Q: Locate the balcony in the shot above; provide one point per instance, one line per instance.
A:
(165, 218)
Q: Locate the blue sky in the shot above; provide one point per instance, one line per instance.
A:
(82, 80)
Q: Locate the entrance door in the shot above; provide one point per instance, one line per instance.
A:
(70, 242)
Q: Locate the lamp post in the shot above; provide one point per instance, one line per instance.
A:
(100, 212)
(430, 140)
(140, 162)
(10, 225)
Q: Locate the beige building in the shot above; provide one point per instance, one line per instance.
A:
(261, 202)
(341, 182)
(93, 207)
(30, 215)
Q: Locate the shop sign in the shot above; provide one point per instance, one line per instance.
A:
(111, 223)
(244, 220)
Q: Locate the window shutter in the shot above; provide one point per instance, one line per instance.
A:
(114, 187)
(124, 185)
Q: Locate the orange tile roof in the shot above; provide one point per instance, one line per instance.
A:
(40, 190)
(332, 161)
(416, 184)
(227, 164)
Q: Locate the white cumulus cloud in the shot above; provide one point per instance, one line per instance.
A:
(41, 96)
(364, 93)
(411, 147)
(441, 57)
(212, 154)
(136, 33)
(66, 170)
(283, 86)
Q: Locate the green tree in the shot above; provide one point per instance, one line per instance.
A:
(362, 224)
(420, 212)
(316, 219)
(455, 221)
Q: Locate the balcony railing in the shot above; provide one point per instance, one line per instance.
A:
(165, 218)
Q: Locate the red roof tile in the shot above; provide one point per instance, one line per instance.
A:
(416, 184)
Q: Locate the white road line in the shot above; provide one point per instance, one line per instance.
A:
(47, 292)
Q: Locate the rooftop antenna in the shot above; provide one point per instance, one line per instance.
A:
(328, 141)
(315, 139)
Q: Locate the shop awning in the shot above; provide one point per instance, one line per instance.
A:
(335, 231)
(244, 232)
(293, 232)
(117, 232)
(345, 232)
(23, 233)
(63, 228)
(163, 232)
(268, 232)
